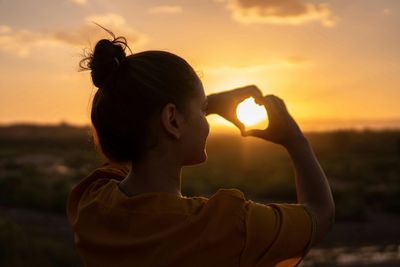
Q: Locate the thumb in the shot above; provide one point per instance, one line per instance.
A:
(255, 133)
(239, 124)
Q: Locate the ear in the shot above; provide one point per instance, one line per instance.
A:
(171, 120)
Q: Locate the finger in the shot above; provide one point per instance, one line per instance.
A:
(259, 100)
(274, 109)
(281, 102)
(270, 103)
(274, 103)
(238, 124)
(249, 91)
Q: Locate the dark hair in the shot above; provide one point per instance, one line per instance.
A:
(132, 92)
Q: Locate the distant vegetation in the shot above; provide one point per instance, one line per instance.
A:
(40, 164)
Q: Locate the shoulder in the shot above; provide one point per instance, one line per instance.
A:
(226, 203)
(95, 183)
(229, 193)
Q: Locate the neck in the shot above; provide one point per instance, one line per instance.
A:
(156, 173)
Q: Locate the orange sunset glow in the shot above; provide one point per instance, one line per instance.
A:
(335, 63)
(249, 113)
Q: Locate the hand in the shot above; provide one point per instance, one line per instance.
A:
(282, 128)
(225, 103)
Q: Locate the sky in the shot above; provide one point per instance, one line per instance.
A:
(334, 63)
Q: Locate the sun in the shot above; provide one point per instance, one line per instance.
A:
(250, 113)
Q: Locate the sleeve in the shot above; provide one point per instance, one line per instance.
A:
(106, 171)
(277, 235)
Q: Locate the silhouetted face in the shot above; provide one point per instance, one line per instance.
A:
(196, 129)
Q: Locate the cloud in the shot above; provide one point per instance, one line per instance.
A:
(21, 42)
(387, 12)
(89, 32)
(290, 62)
(296, 60)
(79, 2)
(166, 9)
(4, 29)
(290, 12)
(266, 74)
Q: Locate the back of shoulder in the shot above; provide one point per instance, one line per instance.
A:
(227, 201)
(87, 189)
(231, 192)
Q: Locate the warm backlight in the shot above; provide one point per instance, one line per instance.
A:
(250, 113)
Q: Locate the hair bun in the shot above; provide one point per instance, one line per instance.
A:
(105, 61)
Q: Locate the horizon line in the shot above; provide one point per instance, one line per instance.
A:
(308, 125)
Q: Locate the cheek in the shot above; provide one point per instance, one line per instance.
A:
(205, 123)
(205, 127)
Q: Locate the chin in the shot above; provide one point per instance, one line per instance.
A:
(198, 159)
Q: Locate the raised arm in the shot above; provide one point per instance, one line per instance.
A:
(312, 186)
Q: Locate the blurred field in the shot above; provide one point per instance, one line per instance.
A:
(39, 165)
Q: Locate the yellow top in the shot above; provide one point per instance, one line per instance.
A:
(162, 229)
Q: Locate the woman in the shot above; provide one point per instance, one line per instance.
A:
(149, 120)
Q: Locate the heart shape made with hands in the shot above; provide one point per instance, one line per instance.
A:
(251, 114)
